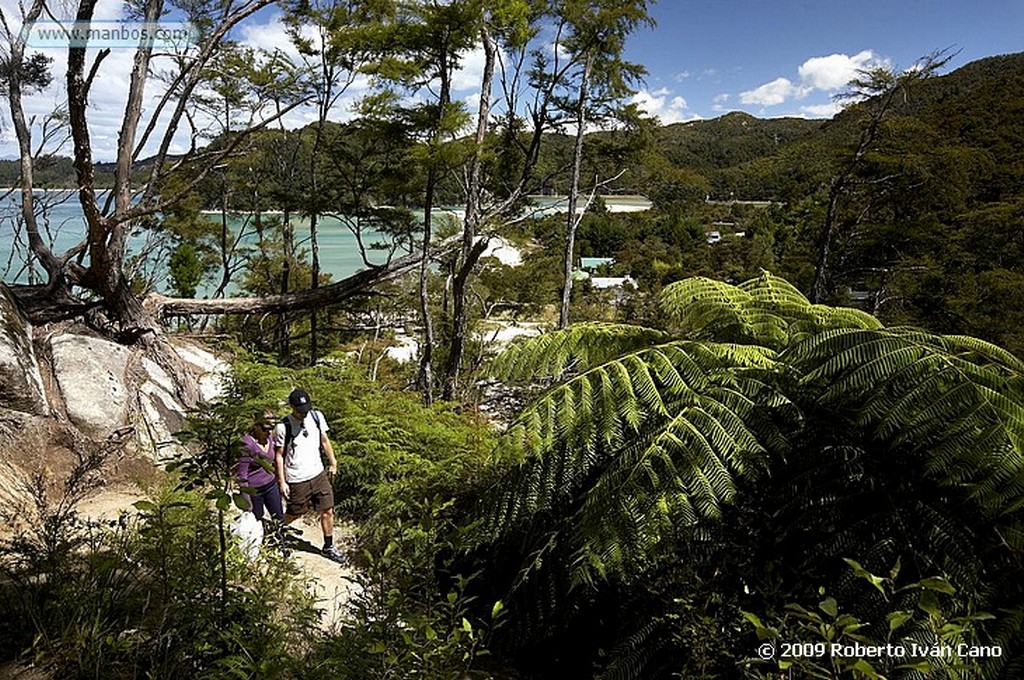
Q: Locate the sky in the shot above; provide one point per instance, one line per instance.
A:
(770, 58)
(790, 57)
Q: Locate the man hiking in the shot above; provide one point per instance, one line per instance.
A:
(302, 442)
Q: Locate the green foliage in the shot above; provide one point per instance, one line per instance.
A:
(413, 618)
(32, 73)
(767, 311)
(135, 597)
(821, 435)
(185, 270)
(393, 452)
(578, 349)
(915, 628)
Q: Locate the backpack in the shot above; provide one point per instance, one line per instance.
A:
(288, 435)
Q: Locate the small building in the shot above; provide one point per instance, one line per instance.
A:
(605, 282)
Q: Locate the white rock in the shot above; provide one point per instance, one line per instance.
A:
(504, 251)
(406, 350)
(21, 384)
(212, 371)
(91, 377)
(161, 417)
(157, 375)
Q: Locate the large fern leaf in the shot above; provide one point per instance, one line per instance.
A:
(577, 348)
(653, 439)
(954, 407)
(766, 310)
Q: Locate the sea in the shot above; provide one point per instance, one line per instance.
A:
(63, 226)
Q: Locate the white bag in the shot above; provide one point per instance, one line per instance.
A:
(249, 532)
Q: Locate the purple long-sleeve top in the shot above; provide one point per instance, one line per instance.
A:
(250, 471)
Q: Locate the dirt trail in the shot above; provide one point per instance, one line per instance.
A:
(334, 585)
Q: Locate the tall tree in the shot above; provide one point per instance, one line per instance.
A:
(331, 65)
(595, 37)
(875, 92)
(19, 74)
(240, 80)
(419, 46)
(503, 26)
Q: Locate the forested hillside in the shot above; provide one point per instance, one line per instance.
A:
(926, 230)
(926, 226)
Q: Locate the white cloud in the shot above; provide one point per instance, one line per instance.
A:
(658, 103)
(826, 74)
(834, 71)
(822, 110)
(470, 71)
(771, 94)
(273, 36)
(719, 102)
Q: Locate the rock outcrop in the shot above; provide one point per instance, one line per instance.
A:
(91, 376)
(21, 384)
(64, 390)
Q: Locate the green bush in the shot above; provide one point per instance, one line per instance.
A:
(141, 597)
(393, 453)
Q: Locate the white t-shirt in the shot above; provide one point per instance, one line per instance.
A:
(302, 460)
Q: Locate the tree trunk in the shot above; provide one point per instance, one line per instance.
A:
(426, 372)
(283, 338)
(225, 259)
(360, 283)
(51, 265)
(471, 251)
(822, 286)
(314, 215)
(313, 284)
(574, 191)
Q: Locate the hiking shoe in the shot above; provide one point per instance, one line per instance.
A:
(334, 555)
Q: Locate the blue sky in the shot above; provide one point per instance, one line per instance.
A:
(704, 58)
(709, 54)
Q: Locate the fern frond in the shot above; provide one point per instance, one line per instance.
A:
(666, 433)
(952, 406)
(766, 310)
(577, 348)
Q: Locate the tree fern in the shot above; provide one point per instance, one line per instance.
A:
(766, 310)
(658, 436)
(832, 437)
(960, 416)
(576, 348)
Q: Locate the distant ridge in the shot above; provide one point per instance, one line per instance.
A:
(980, 105)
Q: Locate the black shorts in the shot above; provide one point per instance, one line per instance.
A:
(315, 494)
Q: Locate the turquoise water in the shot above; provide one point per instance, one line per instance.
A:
(64, 226)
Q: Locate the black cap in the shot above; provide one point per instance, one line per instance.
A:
(300, 400)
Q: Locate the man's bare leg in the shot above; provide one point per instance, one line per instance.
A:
(327, 523)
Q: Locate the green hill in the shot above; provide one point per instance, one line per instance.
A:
(731, 140)
(979, 106)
